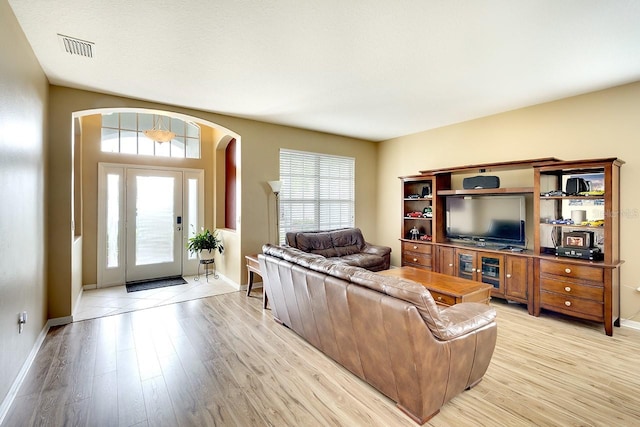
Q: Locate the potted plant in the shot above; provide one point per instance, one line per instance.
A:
(204, 243)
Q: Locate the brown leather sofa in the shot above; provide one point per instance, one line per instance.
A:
(346, 245)
(387, 331)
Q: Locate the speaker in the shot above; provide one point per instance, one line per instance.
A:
(481, 181)
(577, 185)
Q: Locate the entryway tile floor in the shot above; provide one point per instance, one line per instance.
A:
(115, 300)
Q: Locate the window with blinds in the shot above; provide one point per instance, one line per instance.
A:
(318, 192)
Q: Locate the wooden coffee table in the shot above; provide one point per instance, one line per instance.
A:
(446, 290)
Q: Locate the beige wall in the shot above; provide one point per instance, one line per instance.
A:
(23, 111)
(259, 145)
(595, 125)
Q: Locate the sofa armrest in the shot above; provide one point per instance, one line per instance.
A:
(461, 319)
(376, 250)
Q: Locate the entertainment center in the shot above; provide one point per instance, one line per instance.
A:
(543, 232)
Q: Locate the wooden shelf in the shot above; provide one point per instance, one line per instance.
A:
(600, 197)
(518, 164)
(513, 190)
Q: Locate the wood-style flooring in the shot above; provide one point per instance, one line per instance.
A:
(223, 361)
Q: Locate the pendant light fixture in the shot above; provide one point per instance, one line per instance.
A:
(159, 132)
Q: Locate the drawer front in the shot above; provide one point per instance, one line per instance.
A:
(416, 247)
(573, 306)
(594, 293)
(252, 263)
(582, 272)
(416, 258)
(442, 298)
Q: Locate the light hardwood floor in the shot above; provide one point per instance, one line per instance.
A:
(222, 360)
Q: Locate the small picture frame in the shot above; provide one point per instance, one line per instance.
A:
(578, 239)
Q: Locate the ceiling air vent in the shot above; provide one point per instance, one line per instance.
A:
(75, 46)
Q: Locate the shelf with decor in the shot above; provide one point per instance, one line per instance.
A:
(576, 208)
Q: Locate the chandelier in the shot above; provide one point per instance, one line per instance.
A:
(159, 132)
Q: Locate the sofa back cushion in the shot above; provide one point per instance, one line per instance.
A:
(335, 243)
(348, 241)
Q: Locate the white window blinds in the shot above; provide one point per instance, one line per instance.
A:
(318, 192)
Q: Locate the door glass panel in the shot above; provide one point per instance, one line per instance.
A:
(193, 211)
(154, 220)
(113, 220)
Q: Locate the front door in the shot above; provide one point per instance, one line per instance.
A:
(145, 216)
(153, 224)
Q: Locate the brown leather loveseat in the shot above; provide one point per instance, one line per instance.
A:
(387, 331)
(346, 245)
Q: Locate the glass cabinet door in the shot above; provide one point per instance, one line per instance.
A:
(490, 270)
(466, 268)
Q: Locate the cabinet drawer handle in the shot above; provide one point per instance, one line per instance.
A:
(450, 265)
(473, 270)
(567, 270)
(415, 247)
(508, 276)
(415, 260)
(567, 303)
(567, 288)
(439, 298)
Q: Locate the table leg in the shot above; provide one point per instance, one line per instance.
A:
(250, 285)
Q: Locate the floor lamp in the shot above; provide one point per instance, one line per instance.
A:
(275, 187)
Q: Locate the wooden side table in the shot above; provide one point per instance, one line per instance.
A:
(253, 267)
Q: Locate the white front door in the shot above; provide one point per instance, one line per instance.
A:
(145, 217)
(153, 224)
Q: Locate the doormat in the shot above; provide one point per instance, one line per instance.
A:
(144, 285)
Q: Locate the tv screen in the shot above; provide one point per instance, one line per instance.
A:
(499, 219)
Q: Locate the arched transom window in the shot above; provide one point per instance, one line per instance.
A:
(124, 133)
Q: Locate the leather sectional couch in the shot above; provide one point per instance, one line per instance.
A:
(346, 245)
(387, 331)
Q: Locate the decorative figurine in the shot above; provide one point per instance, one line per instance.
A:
(415, 233)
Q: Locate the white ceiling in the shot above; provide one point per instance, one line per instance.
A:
(372, 69)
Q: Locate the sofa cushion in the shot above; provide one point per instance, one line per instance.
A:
(319, 243)
(348, 242)
(363, 260)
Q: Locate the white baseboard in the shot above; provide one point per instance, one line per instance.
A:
(229, 281)
(59, 321)
(630, 324)
(256, 285)
(13, 391)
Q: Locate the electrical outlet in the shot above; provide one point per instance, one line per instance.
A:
(22, 319)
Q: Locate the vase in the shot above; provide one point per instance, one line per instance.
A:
(206, 254)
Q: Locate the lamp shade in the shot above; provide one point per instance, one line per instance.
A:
(275, 186)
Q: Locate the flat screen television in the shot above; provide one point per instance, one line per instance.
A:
(488, 218)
